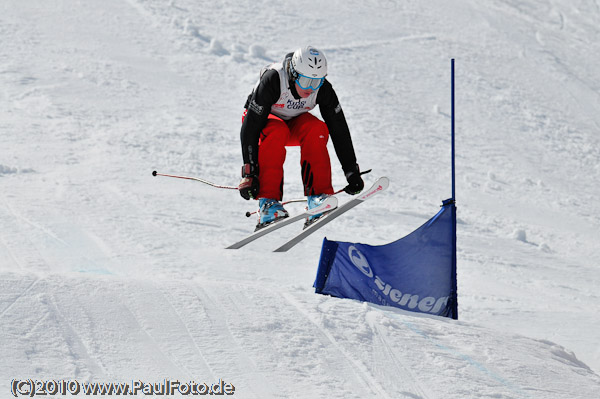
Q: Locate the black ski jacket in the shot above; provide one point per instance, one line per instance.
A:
(268, 91)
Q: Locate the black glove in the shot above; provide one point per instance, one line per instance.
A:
(249, 184)
(355, 182)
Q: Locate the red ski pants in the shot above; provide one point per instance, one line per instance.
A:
(306, 131)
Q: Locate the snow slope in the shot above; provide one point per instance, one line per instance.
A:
(110, 274)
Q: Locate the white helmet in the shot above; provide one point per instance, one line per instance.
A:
(308, 61)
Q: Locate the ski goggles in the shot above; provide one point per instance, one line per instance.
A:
(309, 83)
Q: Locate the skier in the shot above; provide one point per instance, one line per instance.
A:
(276, 115)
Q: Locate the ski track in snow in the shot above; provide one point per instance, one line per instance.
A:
(358, 367)
(110, 274)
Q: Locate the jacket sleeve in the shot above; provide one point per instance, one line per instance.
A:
(333, 115)
(258, 107)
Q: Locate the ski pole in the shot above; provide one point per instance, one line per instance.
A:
(155, 173)
(248, 214)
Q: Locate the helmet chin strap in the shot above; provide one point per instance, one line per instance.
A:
(294, 91)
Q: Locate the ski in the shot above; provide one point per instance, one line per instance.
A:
(327, 205)
(381, 184)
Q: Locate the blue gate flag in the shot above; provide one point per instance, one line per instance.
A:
(415, 273)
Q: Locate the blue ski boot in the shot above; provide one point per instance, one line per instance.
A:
(270, 211)
(313, 202)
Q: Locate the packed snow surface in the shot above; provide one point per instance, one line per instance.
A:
(108, 274)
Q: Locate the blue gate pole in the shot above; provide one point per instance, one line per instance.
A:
(452, 113)
(454, 282)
